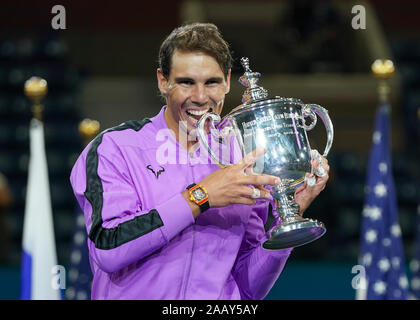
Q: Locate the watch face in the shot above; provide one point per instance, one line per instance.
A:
(199, 194)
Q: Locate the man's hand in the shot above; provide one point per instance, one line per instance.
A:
(234, 184)
(305, 194)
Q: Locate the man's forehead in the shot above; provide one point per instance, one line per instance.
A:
(177, 54)
(195, 63)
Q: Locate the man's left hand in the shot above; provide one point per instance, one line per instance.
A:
(306, 193)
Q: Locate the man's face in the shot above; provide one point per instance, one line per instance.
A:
(196, 85)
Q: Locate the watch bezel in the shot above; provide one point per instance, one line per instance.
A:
(198, 188)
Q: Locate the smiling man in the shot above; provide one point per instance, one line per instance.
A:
(183, 230)
(196, 85)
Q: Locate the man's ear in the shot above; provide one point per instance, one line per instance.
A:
(228, 82)
(162, 82)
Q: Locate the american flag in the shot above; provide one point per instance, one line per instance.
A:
(415, 263)
(80, 274)
(382, 253)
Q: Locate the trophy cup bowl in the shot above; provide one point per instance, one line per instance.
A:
(279, 125)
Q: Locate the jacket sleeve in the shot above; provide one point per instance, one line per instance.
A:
(256, 269)
(121, 230)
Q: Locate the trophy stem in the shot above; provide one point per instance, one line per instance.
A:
(286, 207)
(289, 229)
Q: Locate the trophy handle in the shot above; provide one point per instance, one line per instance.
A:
(202, 136)
(311, 110)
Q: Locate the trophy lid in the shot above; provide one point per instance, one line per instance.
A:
(254, 95)
(249, 79)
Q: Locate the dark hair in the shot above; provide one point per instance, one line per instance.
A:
(203, 37)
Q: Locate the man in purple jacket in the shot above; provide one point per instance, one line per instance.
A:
(162, 223)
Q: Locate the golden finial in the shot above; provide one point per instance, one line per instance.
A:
(35, 89)
(383, 70)
(88, 129)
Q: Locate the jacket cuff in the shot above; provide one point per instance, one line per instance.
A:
(176, 215)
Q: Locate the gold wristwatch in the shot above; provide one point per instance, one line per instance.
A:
(198, 195)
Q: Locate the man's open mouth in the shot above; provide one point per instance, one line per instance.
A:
(195, 115)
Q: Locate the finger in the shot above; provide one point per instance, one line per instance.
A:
(249, 170)
(324, 172)
(221, 166)
(321, 159)
(320, 184)
(322, 180)
(251, 157)
(245, 200)
(315, 155)
(320, 172)
(250, 192)
(260, 180)
(318, 188)
(310, 179)
(319, 165)
(263, 189)
(301, 187)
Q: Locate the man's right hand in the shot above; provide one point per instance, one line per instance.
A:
(232, 184)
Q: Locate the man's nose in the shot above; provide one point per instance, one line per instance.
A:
(199, 95)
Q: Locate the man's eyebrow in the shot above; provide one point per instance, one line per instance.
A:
(187, 79)
(184, 79)
(215, 79)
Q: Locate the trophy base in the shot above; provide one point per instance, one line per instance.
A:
(294, 234)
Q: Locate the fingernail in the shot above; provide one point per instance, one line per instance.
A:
(277, 181)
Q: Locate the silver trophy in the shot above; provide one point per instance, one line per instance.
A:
(279, 125)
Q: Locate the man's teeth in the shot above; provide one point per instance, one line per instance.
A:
(197, 112)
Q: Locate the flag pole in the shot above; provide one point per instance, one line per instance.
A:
(39, 257)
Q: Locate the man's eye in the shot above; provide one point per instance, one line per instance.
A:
(212, 82)
(186, 82)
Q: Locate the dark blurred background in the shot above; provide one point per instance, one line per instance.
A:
(103, 67)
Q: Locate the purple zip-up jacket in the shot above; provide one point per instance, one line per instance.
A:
(143, 240)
